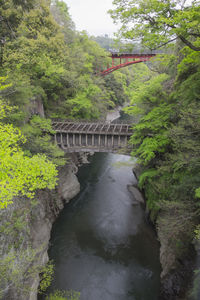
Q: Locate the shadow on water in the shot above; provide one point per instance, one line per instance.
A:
(101, 243)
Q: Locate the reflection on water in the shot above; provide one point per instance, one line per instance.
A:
(101, 243)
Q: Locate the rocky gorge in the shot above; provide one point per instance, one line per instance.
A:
(32, 224)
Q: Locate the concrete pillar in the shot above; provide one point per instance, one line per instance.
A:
(93, 140)
(55, 138)
(126, 140)
(86, 140)
(73, 139)
(79, 139)
(112, 141)
(106, 141)
(119, 141)
(67, 140)
(61, 140)
(99, 140)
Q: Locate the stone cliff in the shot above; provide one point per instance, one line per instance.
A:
(25, 232)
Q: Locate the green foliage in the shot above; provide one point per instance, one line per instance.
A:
(64, 295)
(105, 42)
(195, 289)
(150, 134)
(165, 101)
(46, 276)
(17, 267)
(21, 174)
(147, 94)
(48, 70)
(197, 193)
(146, 175)
(197, 232)
(81, 106)
(48, 61)
(157, 22)
(39, 134)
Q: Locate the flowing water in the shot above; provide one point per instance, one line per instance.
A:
(101, 244)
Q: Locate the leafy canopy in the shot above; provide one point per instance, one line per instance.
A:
(20, 174)
(157, 22)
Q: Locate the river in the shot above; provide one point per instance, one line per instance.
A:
(102, 244)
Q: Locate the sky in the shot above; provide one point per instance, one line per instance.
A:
(92, 16)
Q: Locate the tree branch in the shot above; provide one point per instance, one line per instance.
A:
(165, 43)
(188, 43)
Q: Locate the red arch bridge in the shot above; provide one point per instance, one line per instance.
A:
(121, 60)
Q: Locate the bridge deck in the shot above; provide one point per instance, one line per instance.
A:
(93, 128)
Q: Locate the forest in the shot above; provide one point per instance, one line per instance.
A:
(51, 71)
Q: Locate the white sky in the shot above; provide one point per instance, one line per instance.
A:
(92, 16)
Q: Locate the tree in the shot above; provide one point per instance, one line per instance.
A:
(60, 11)
(20, 174)
(156, 22)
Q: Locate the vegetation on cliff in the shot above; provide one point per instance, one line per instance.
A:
(166, 139)
(48, 70)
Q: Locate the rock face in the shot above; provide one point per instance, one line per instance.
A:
(137, 195)
(176, 273)
(27, 244)
(137, 170)
(112, 115)
(68, 186)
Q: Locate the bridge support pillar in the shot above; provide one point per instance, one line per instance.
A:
(93, 140)
(67, 140)
(73, 139)
(99, 140)
(112, 141)
(61, 140)
(119, 141)
(126, 139)
(86, 140)
(106, 140)
(79, 138)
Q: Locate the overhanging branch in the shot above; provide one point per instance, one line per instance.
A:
(188, 43)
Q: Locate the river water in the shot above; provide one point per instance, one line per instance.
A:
(101, 244)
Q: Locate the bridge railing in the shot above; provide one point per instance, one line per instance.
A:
(116, 121)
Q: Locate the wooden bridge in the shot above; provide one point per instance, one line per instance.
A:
(95, 137)
(125, 60)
